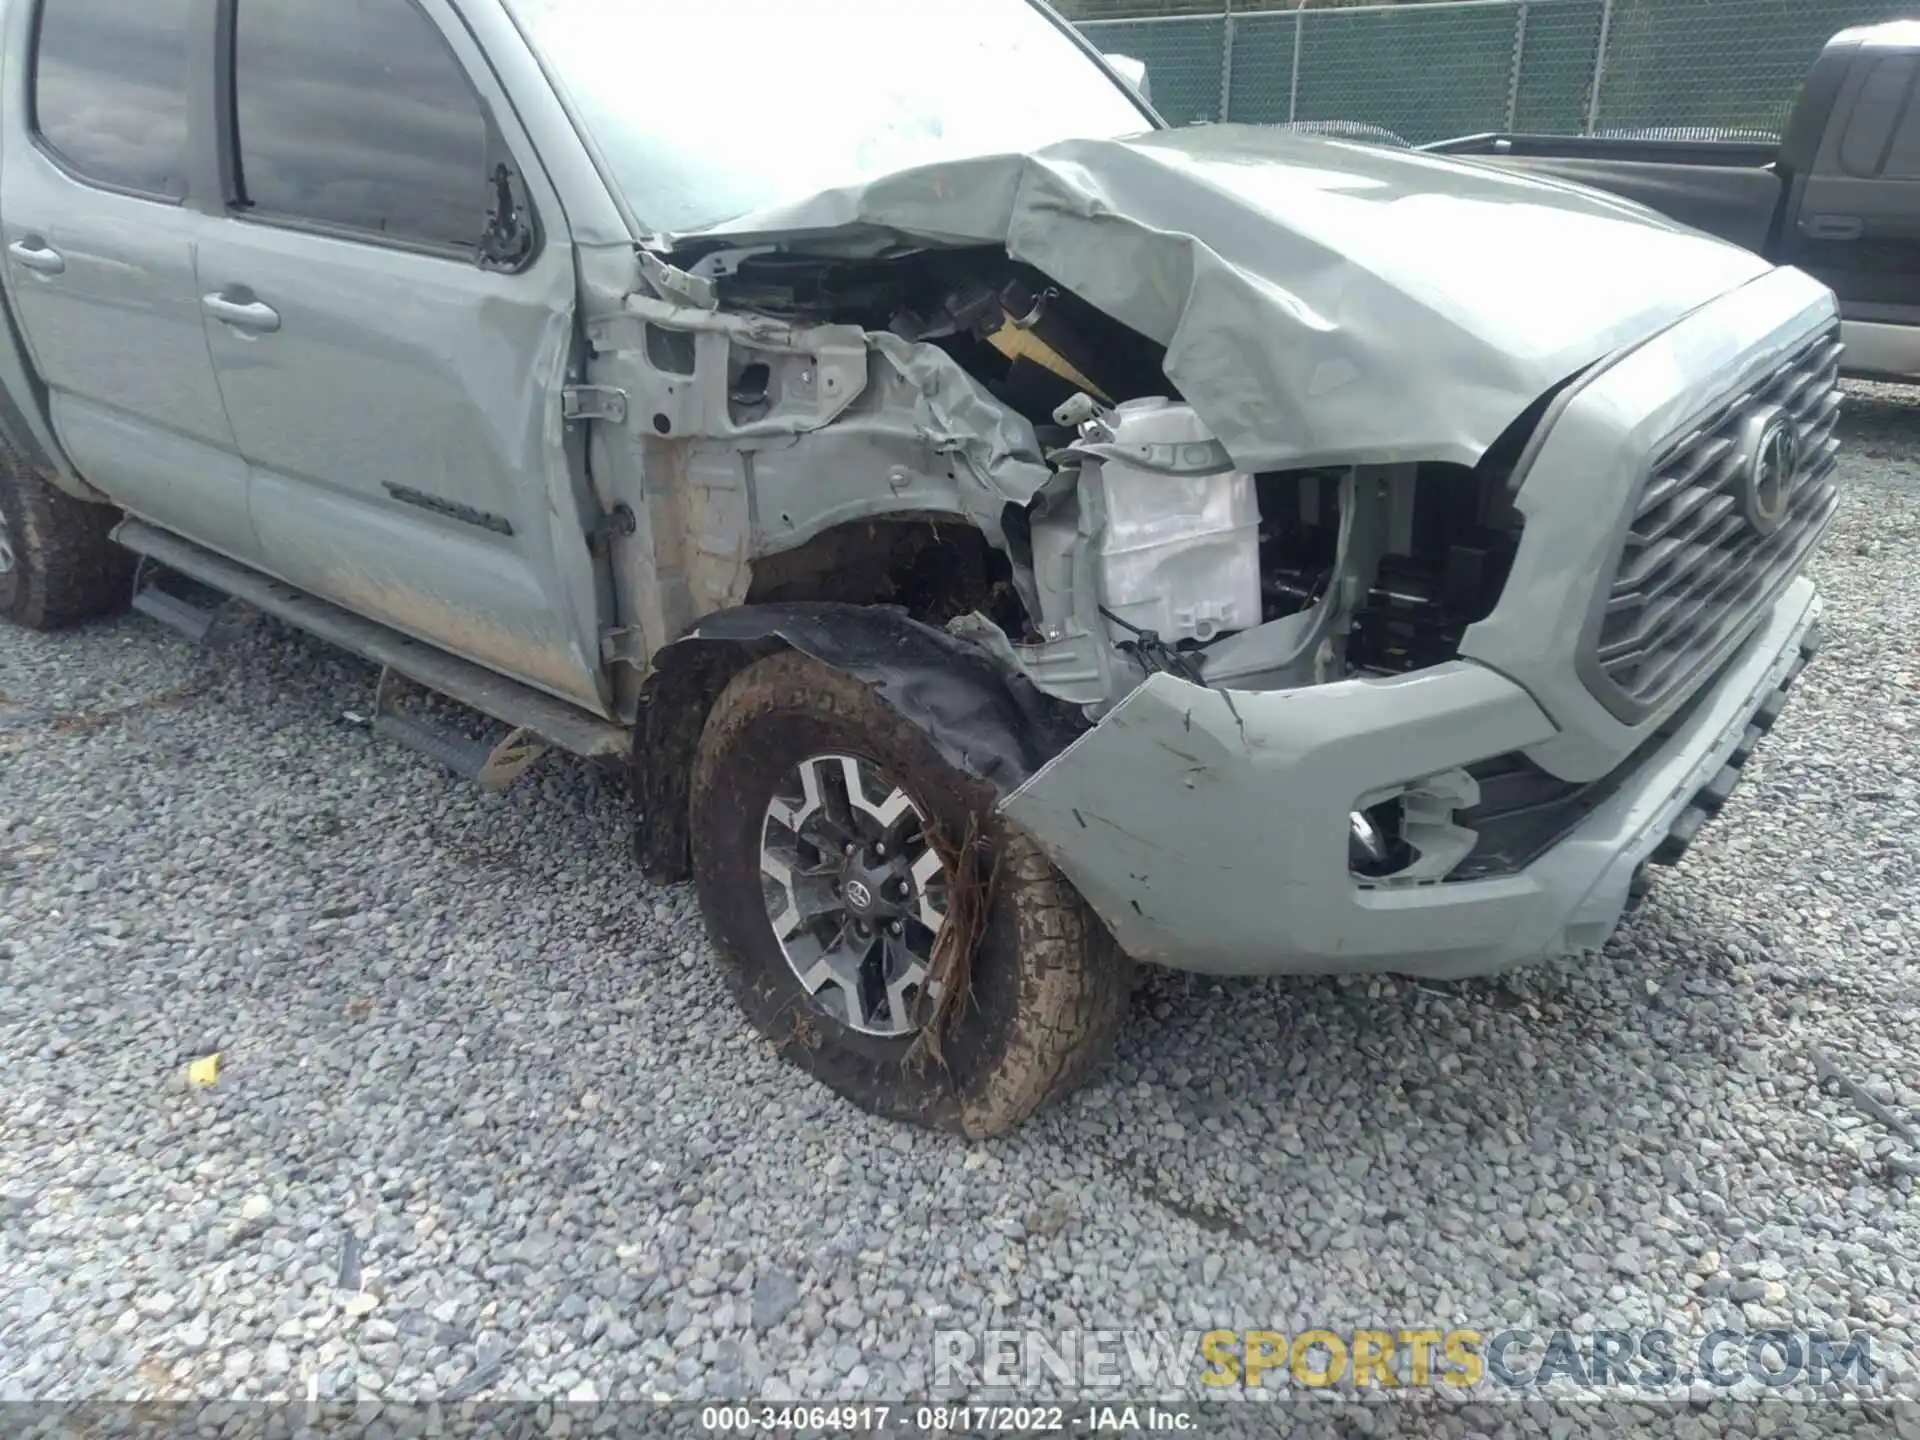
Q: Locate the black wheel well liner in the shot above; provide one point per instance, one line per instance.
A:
(982, 719)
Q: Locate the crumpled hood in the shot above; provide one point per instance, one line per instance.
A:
(1319, 300)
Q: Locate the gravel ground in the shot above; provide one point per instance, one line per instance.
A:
(486, 1124)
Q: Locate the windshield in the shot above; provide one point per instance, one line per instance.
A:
(705, 110)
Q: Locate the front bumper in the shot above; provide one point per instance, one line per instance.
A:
(1886, 352)
(1208, 828)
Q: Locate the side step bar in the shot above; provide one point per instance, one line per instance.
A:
(490, 766)
(542, 717)
(175, 601)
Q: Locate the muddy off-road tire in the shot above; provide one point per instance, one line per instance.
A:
(1047, 987)
(57, 565)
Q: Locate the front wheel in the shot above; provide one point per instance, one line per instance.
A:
(876, 921)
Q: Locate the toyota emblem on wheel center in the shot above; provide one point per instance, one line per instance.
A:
(1771, 460)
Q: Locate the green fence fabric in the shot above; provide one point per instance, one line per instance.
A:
(1262, 67)
(1727, 63)
(1185, 57)
(1557, 46)
(1386, 68)
(1429, 71)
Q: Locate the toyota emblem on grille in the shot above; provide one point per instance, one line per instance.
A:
(1770, 463)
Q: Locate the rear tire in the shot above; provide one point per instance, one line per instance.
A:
(1047, 988)
(57, 565)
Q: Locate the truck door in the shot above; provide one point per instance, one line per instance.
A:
(1856, 225)
(101, 138)
(392, 358)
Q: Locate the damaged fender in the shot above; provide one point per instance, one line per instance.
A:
(981, 719)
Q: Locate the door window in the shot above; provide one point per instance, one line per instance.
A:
(1885, 105)
(1903, 156)
(110, 92)
(356, 115)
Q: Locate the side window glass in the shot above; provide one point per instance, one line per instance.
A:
(1863, 146)
(110, 91)
(356, 114)
(1903, 160)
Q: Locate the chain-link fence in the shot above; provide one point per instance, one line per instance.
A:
(1428, 71)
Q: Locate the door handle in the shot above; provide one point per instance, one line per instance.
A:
(36, 254)
(242, 314)
(1832, 227)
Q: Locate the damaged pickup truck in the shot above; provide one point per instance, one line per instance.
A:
(1006, 539)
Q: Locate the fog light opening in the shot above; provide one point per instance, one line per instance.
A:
(1376, 847)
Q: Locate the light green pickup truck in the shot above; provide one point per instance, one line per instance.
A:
(1004, 538)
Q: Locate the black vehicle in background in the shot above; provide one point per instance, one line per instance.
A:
(1838, 196)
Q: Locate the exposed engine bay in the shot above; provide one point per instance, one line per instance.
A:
(1255, 581)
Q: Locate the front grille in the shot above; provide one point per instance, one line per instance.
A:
(1694, 571)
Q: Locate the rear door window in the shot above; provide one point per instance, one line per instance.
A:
(355, 115)
(110, 92)
(1884, 122)
(1903, 155)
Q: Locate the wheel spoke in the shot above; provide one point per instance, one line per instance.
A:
(806, 894)
(912, 977)
(788, 918)
(836, 808)
(831, 966)
(888, 811)
(794, 817)
(859, 990)
(839, 834)
(926, 870)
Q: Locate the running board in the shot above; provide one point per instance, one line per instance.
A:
(541, 716)
(490, 765)
(175, 601)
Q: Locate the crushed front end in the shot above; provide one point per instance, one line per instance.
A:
(1393, 604)
(1429, 719)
